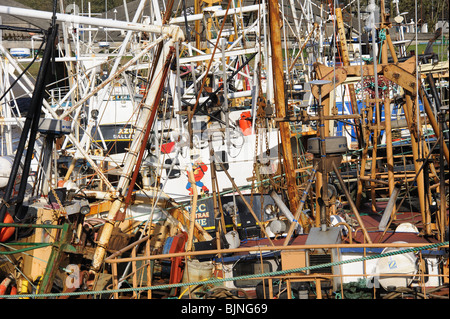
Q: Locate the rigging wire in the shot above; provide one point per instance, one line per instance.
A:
(24, 71)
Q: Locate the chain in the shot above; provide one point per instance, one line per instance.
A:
(57, 212)
(255, 163)
(3, 202)
(260, 113)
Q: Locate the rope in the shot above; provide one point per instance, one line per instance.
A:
(226, 293)
(217, 280)
(382, 37)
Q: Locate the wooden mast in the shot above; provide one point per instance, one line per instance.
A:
(346, 62)
(145, 121)
(280, 104)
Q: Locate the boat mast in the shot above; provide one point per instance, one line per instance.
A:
(280, 104)
(346, 62)
(144, 123)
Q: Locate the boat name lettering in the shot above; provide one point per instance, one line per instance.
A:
(126, 130)
(201, 215)
(124, 133)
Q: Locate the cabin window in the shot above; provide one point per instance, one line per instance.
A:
(175, 172)
(222, 155)
(199, 129)
(200, 134)
(320, 259)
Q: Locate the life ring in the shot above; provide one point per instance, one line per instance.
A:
(7, 232)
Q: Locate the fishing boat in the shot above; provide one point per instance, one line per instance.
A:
(219, 155)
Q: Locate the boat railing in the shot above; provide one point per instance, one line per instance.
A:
(58, 95)
(142, 267)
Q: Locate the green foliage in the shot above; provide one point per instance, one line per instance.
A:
(428, 11)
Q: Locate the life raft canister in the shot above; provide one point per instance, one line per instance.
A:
(7, 232)
(245, 123)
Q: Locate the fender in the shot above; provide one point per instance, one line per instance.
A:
(176, 269)
(4, 286)
(7, 232)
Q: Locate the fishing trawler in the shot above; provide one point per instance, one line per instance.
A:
(224, 186)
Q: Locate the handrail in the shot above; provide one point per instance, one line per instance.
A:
(31, 226)
(265, 248)
(253, 276)
(35, 246)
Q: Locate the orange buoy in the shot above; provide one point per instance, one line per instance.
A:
(13, 290)
(7, 232)
(142, 89)
(4, 285)
(245, 123)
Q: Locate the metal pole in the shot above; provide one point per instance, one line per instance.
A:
(243, 199)
(351, 203)
(324, 202)
(55, 259)
(297, 216)
(106, 23)
(443, 200)
(258, 248)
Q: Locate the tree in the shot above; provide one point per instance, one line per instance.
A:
(428, 11)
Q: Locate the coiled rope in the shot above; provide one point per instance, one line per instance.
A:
(220, 280)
